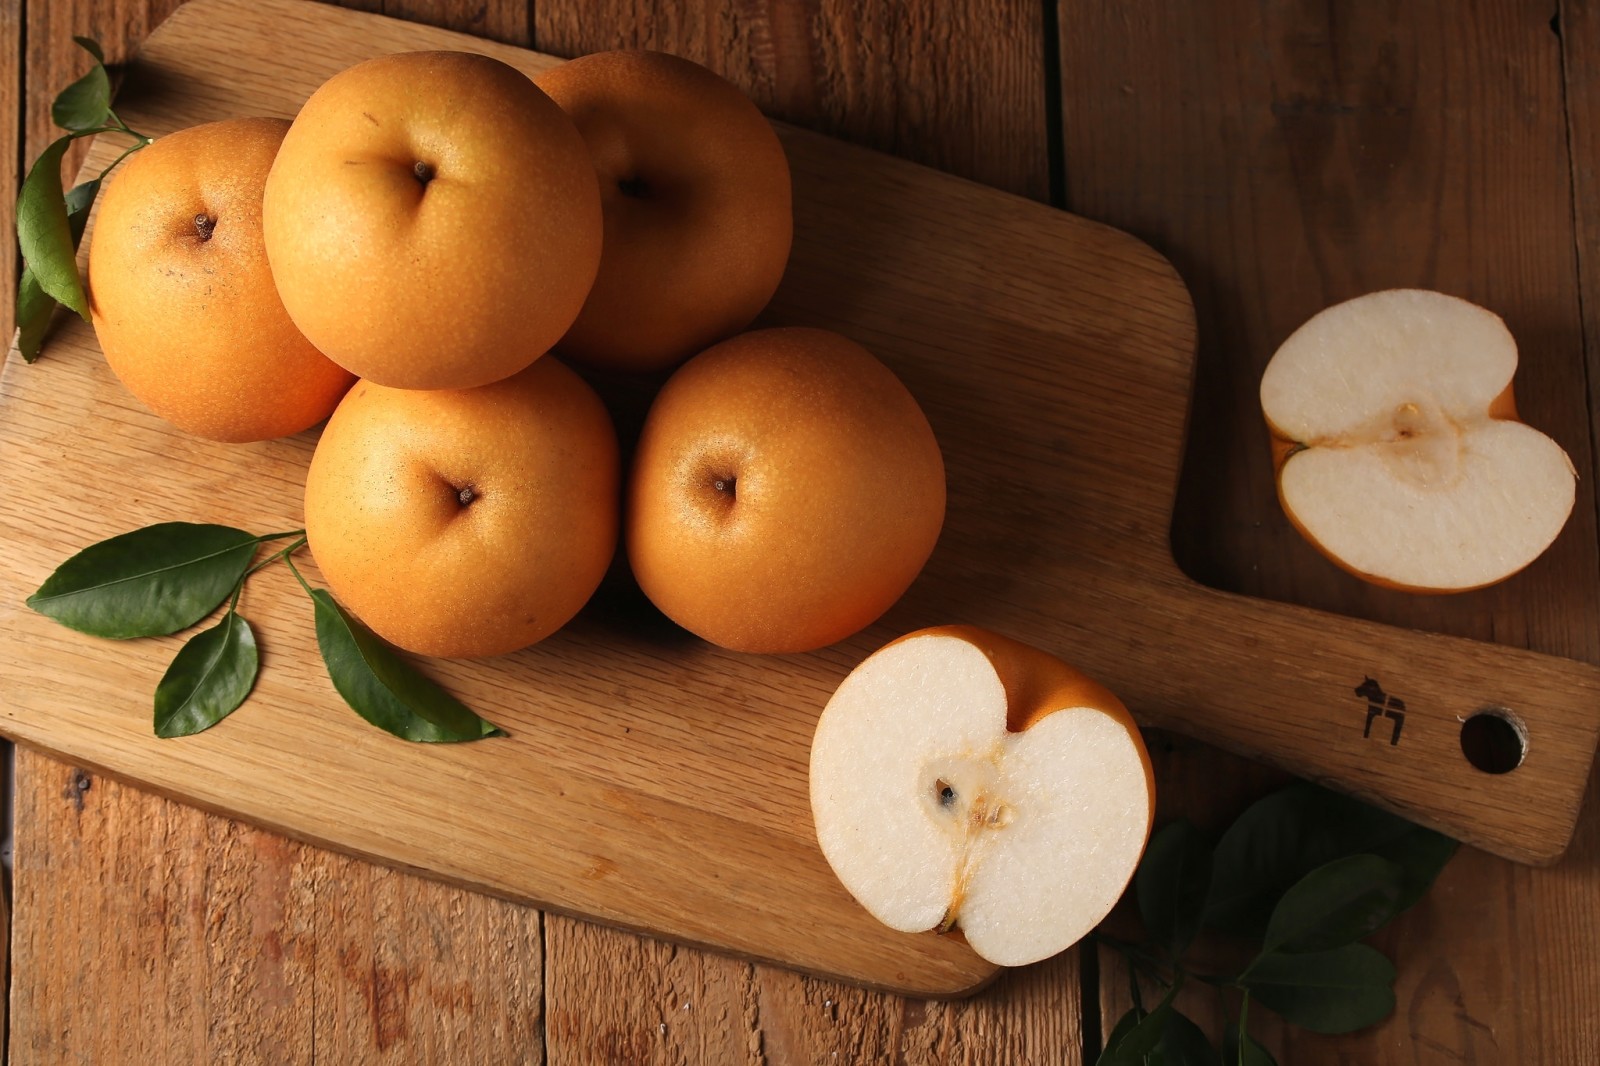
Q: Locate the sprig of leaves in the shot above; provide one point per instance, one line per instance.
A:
(50, 222)
(1307, 874)
(167, 577)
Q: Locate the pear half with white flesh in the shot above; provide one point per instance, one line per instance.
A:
(960, 778)
(1398, 450)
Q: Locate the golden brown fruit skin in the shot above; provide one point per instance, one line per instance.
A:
(466, 523)
(698, 216)
(831, 494)
(454, 279)
(186, 311)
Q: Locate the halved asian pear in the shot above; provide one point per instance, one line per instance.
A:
(961, 778)
(1398, 450)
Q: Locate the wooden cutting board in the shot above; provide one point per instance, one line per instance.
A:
(658, 784)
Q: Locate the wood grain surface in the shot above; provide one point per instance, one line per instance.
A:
(1286, 155)
(1508, 954)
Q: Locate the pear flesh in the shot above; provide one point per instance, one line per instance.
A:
(933, 814)
(1401, 458)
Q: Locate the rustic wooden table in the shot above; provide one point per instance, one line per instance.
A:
(1283, 155)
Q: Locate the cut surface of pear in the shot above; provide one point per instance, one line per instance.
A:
(961, 779)
(1399, 451)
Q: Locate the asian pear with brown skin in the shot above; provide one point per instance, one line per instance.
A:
(182, 299)
(466, 522)
(433, 220)
(963, 779)
(696, 193)
(1398, 450)
(785, 492)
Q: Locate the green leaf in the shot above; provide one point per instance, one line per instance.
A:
(86, 103)
(1241, 1049)
(34, 306)
(1421, 854)
(210, 677)
(1131, 1046)
(383, 688)
(146, 583)
(79, 199)
(33, 312)
(1335, 991)
(1338, 903)
(1288, 834)
(92, 46)
(1125, 1025)
(45, 235)
(1183, 1043)
(1171, 885)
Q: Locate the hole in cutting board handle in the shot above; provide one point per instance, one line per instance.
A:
(1494, 740)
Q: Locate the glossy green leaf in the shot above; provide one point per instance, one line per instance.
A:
(45, 235)
(146, 583)
(210, 677)
(33, 311)
(1336, 991)
(34, 305)
(1183, 1043)
(1119, 1032)
(1241, 1049)
(79, 199)
(383, 688)
(1171, 885)
(1285, 836)
(1131, 1046)
(1420, 854)
(1338, 903)
(86, 103)
(92, 46)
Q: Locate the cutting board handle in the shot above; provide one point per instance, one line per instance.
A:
(1379, 712)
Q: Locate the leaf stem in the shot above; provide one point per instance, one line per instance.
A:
(279, 536)
(132, 148)
(123, 126)
(1244, 1024)
(295, 570)
(282, 553)
(1138, 954)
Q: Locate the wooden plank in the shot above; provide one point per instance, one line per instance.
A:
(362, 963)
(651, 1002)
(956, 86)
(11, 107)
(54, 61)
(506, 21)
(1284, 156)
(616, 998)
(1284, 159)
(839, 69)
(150, 931)
(868, 74)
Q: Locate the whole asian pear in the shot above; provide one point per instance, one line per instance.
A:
(466, 522)
(785, 492)
(696, 194)
(182, 299)
(433, 220)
